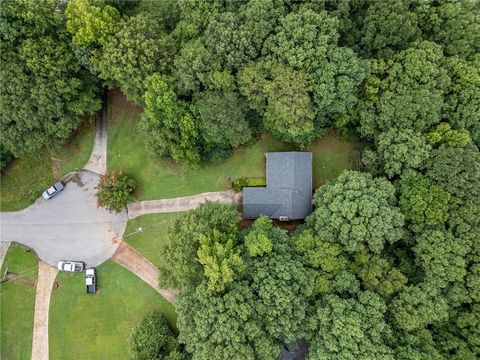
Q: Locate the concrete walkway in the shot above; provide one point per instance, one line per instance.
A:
(46, 277)
(144, 269)
(98, 159)
(137, 208)
(3, 250)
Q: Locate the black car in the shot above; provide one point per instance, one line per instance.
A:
(91, 280)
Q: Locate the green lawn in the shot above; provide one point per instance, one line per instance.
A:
(98, 326)
(127, 151)
(25, 179)
(17, 303)
(155, 227)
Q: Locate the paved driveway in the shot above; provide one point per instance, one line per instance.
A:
(68, 226)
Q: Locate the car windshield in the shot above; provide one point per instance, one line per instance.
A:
(51, 190)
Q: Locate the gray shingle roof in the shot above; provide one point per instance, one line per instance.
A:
(288, 191)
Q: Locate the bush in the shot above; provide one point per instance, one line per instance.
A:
(244, 181)
(115, 190)
(152, 339)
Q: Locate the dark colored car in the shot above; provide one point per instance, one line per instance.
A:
(91, 280)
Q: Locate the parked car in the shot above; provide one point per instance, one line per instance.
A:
(53, 190)
(91, 280)
(71, 266)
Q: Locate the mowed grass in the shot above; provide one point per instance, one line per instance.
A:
(17, 303)
(24, 180)
(155, 232)
(127, 151)
(97, 326)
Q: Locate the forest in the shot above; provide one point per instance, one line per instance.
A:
(388, 264)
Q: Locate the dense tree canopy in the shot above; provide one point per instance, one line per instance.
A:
(45, 92)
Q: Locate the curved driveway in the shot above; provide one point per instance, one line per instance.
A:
(68, 226)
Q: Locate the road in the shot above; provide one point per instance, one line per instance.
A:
(67, 227)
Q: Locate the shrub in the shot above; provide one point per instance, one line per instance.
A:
(5, 157)
(152, 339)
(115, 190)
(244, 181)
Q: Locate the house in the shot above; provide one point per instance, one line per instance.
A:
(288, 194)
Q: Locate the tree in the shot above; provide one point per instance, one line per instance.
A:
(221, 326)
(350, 328)
(289, 114)
(282, 287)
(167, 124)
(221, 120)
(90, 24)
(457, 170)
(115, 190)
(378, 275)
(138, 49)
(220, 259)
(181, 266)
(358, 212)
(5, 157)
(388, 26)
(462, 103)
(406, 92)
(307, 41)
(423, 203)
(152, 339)
(454, 24)
(45, 92)
(418, 306)
(397, 150)
(443, 133)
(257, 240)
(442, 257)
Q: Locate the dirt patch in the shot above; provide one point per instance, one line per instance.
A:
(76, 179)
(18, 279)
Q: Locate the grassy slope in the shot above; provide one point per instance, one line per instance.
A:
(24, 179)
(98, 326)
(127, 151)
(17, 304)
(155, 233)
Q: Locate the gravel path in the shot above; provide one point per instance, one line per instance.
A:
(144, 269)
(46, 277)
(98, 159)
(137, 208)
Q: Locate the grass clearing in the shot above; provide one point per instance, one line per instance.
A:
(157, 179)
(24, 180)
(17, 303)
(155, 232)
(98, 326)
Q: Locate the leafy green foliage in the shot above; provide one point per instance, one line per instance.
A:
(457, 170)
(418, 306)
(454, 24)
(220, 259)
(115, 190)
(443, 133)
(181, 266)
(405, 92)
(350, 328)
(441, 256)
(89, 23)
(397, 150)
(5, 157)
(257, 240)
(152, 339)
(357, 211)
(139, 48)
(388, 26)
(422, 202)
(45, 93)
(221, 119)
(167, 124)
